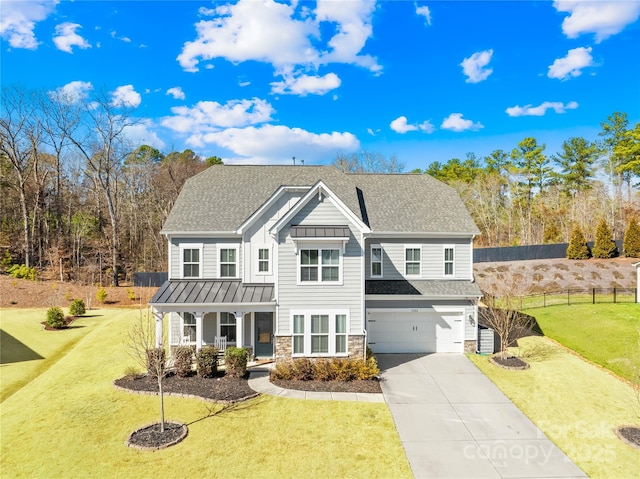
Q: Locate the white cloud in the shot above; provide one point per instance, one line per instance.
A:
(66, 37)
(455, 122)
(425, 12)
(540, 110)
(474, 66)
(142, 133)
(401, 125)
(176, 92)
(278, 143)
(74, 91)
(244, 83)
(18, 21)
(208, 116)
(572, 64)
(125, 96)
(604, 18)
(124, 39)
(267, 31)
(304, 85)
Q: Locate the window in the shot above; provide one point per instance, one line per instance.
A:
(191, 260)
(298, 334)
(319, 333)
(448, 261)
(341, 333)
(189, 327)
(228, 326)
(376, 260)
(228, 259)
(412, 261)
(264, 261)
(320, 265)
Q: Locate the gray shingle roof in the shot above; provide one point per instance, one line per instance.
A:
(222, 197)
(211, 292)
(429, 288)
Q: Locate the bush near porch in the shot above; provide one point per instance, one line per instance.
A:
(263, 437)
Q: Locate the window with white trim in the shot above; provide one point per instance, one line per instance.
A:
(228, 326)
(319, 333)
(264, 260)
(228, 262)
(189, 327)
(191, 260)
(448, 260)
(320, 265)
(412, 255)
(376, 260)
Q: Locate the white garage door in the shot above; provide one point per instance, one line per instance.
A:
(421, 332)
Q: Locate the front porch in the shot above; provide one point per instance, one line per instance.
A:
(216, 313)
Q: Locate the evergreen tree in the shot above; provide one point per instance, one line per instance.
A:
(604, 246)
(552, 233)
(631, 243)
(577, 248)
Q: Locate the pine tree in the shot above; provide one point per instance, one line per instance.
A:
(577, 248)
(604, 246)
(631, 243)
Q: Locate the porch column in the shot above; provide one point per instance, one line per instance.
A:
(198, 331)
(239, 328)
(159, 331)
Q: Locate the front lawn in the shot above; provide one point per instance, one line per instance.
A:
(606, 334)
(575, 404)
(71, 422)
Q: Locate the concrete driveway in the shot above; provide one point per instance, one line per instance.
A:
(455, 423)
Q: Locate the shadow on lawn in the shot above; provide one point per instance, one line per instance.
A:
(14, 351)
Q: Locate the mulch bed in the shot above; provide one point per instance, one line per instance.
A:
(510, 362)
(150, 438)
(222, 389)
(371, 386)
(630, 435)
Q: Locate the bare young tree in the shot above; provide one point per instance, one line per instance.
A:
(368, 162)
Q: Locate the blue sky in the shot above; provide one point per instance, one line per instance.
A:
(256, 81)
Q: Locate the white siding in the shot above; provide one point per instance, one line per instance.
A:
(209, 255)
(432, 259)
(348, 295)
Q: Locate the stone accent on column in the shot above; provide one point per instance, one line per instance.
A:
(283, 348)
(470, 346)
(355, 347)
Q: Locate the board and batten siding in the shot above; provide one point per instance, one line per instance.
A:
(294, 296)
(464, 306)
(258, 236)
(209, 255)
(432, 258)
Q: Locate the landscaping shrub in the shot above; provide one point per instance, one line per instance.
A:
(77, 308)
(182, 361)
(55, 317)
(101, 295)
(303, 370)
(131, 294)
(156, 362)
(577, 248)
(631, 242)
(335, 369)
(207, 361)
(22, 272)
(235, 360)
(604, 246)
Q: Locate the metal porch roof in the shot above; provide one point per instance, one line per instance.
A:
(212, 292)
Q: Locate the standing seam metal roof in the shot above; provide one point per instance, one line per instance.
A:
(212, 292)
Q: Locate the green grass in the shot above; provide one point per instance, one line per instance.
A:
(71, 422)
(574, 298)
(606, 334)
(575, 404)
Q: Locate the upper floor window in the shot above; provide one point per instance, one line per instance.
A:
(376, 260)
(264, 260)
(320, 265)
(191, 259)
(448, 260)
(228, 261)
(412, 256)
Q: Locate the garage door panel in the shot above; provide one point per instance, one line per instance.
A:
(414, 332)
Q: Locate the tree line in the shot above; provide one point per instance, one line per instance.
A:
(527, 196)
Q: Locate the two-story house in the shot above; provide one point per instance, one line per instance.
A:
(307, 261)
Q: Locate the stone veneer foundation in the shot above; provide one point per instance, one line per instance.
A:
(470, 346)
(355, 346)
